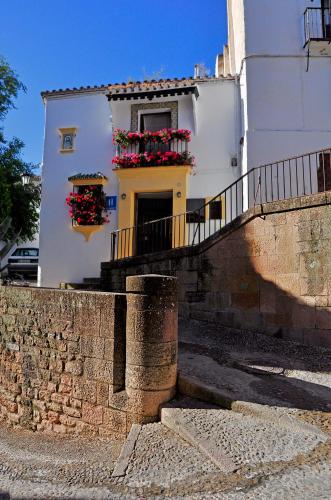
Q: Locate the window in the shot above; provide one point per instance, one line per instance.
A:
(197, 206)
(26, 252)
(67, 139)
(215, 210)
(155, 121)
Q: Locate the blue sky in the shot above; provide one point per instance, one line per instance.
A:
(58, 44)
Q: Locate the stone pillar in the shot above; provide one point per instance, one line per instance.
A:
(151, 344)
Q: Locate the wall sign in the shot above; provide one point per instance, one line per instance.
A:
(111, 202)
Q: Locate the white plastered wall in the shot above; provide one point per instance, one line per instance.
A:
(64, 254)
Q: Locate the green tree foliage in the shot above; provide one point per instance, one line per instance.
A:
(17, 201)
(9, 87)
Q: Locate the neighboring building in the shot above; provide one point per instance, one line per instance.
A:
(268, 101)
(280, 52)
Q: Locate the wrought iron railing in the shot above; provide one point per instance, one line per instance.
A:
(290, 178)
(317, 24)
(178, 146)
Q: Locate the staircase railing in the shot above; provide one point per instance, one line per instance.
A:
(300, 175)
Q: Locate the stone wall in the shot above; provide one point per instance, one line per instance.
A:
(88, 362)
(61, 356)
(270, 271)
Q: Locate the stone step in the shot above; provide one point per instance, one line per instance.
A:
(154, 459)
(202, 377)
(233, 440)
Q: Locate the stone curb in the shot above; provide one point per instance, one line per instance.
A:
(171, 419)
(190, 386)
(126, 452)
(194, 388)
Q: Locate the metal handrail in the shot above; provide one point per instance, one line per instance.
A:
(299, 175)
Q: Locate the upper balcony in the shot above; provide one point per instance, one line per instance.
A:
(166, 147)
(317, 24)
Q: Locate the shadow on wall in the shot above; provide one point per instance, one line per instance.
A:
(272, 275)
(269, 273)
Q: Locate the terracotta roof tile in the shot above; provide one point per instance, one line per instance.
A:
(132, 86)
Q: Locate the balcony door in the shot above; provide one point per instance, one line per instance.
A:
(154, 122)
(326, 18)
(153, 234)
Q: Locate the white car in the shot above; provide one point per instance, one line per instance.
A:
(23, 263)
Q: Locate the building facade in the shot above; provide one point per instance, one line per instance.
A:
(269, 100)
(78, 142)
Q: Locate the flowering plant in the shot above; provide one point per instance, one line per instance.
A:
(87, 206)
(131, 160)
(124, 138)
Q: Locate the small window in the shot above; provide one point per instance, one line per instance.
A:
(197, 206)
(215, 210)
(67, 139)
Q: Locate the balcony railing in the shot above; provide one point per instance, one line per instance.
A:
(161, 148)
(290, 178)
(175, 145)
(317, 24)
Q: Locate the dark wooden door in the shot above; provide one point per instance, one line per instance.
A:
(153, 234)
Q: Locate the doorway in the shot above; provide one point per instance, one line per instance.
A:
(326, 19)
(153, 232)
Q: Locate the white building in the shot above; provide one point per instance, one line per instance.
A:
(207, 106)
(280, 52)
(268, 101)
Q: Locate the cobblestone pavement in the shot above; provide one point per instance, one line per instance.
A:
(278, 465)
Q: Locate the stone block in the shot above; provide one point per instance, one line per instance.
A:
(92, 414)
(147, 403)
(323, 318)
(151, 354)
(92, 347)
(115, 420)
(151, 326)
(85, 389)
(68, 421)
(87, 321)
(245, 300)
(71, 412)
(303, 316)
(99, 370)
(102, 393)
(74, 367)
(153, 378)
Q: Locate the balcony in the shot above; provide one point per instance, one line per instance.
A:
(317, 24)
(167, 147)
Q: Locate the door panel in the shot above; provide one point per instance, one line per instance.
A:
(153, 236)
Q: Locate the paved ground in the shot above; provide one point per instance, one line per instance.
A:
(272, 458)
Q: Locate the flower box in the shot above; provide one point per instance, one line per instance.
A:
(124, 138)
(87, 231)
(158, 159)
(87, 207)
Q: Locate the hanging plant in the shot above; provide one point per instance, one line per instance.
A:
(88, 206)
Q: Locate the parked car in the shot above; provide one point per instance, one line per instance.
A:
(23, 263)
